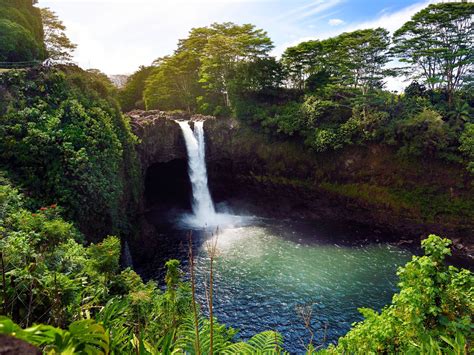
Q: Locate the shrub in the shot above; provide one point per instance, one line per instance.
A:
(432, 310)
(467, 145)
(68, 143)
(424, 133)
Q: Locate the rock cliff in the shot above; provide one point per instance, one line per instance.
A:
(367, 185)
(160, 137)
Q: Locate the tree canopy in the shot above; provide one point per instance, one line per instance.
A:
(21, 32)
(438, 44)
(355, 59)
(198, 75)
(58, 46)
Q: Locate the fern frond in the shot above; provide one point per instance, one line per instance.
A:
(268, 342)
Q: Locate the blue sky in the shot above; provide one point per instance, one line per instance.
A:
(116, 36)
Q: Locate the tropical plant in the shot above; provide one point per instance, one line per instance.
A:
(431, 313)
(84, 336)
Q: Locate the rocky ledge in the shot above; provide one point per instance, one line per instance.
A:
(160, 137)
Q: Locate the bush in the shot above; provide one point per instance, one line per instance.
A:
(431, 312)
(289, 120)
(467, 145)
(424, 133)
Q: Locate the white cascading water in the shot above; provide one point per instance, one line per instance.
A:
(203, 207)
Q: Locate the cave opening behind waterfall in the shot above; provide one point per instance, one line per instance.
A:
(167, 186)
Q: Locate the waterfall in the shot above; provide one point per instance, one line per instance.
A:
(203, 207)
(127, 256)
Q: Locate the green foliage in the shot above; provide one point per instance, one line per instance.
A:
(58, 46)
(203, 72)
(437, 43)
(268, 342)
(43, 262)
(432, 310)
(467, 145)
(105, 256)
(66, 141)
(131, 95)
(425, 133)
(18, 44)
(288, 120)
(21, 32)
(353, 59)
(174, 83)
(185, 336)
(51, 277)
(259, 75)
(84, 336)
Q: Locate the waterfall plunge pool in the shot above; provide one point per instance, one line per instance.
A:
(266, 269)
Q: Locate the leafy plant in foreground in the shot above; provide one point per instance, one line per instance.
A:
(432, 311)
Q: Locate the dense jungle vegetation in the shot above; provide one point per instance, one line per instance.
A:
(70, 178)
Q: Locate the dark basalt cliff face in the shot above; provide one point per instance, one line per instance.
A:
(163, 159)
(160, 137)
(367, 185)
(161, 140)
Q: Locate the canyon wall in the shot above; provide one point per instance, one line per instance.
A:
(366, 185)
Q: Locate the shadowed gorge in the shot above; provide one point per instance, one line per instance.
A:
(167, 185)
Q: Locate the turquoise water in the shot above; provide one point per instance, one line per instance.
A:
(263, 274)
(266, 269)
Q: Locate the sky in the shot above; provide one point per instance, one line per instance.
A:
(117, 36)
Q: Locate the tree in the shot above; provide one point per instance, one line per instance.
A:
(353, 59)
(174, 83)
(258, 75)
(131, 95)
(301, 61)
(438, 44)
(360, 57)
(58, 45)
(17, 43)
(199, 75)
(227, 45)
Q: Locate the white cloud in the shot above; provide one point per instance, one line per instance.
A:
(312, 8)
(320, 7)
(392, 20)
(118, 39)
(336, 22)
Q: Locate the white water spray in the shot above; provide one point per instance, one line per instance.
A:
(204, 213)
